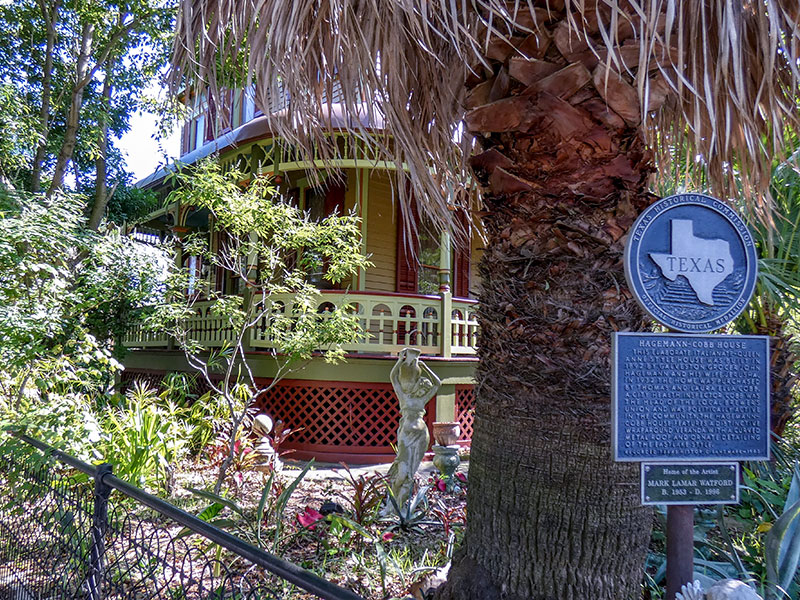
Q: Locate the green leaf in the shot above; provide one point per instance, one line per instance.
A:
(350, 524)
(264, 496)
(283, 499)
(211, 511)
(782, 548)
(217, 499)
(793, 496)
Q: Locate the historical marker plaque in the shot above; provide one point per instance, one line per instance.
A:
(690, 261)
(679, 397)
(693, 483)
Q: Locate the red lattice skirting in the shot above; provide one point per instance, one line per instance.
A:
(465, 412)
(342, 421)
(149, 378)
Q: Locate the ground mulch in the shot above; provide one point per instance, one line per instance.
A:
(346, 558)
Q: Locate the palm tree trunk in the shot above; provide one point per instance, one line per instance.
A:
(564, 178)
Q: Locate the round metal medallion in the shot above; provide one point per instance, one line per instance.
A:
(691, 263)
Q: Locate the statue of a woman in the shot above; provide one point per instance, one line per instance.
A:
(415, 384)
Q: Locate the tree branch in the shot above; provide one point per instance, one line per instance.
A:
(110, 47)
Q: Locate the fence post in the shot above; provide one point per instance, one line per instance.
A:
(97, 551)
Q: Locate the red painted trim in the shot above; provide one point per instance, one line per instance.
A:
(317, 383)
(308, 447)
(353, 355)
(461, 263)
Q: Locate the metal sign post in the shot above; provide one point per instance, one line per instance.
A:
(680, 547)
(690, 262)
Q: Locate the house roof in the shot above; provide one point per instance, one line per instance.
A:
(254, 129)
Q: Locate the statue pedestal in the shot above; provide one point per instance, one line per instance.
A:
(266, 457)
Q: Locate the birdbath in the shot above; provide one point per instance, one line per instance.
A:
(446, 460)
(445, 451)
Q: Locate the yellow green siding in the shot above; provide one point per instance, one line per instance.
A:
(381, 235)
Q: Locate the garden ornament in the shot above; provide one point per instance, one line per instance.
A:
(726, 589)
(415, 384)
(731, 589)
(446, 460)
(445, 451)
(266, 457)
(262, 425)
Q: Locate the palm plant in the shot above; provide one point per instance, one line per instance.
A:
(775, 307)
(565, 105)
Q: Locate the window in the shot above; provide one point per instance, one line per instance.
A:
(321, 202)
(419, 256)
(430, 257)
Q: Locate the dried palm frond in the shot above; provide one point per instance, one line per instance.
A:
(392, 74)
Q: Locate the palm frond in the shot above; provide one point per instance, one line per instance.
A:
(718, 78)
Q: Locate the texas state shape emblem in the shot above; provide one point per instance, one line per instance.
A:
(691, 263)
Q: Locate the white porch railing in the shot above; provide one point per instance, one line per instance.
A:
(437, 325)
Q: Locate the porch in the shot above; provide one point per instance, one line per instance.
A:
(346, 411)
(439, 325)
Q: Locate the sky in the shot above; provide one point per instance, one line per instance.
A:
(143, 153)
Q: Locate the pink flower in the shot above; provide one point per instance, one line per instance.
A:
(461, 477)
(387, 536)
(441, 485)
(308, 518)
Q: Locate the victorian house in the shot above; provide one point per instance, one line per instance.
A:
(419, 293)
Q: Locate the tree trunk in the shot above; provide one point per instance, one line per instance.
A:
(50, 19)
(565, 172)
(76, 172)
(76, 102)
(101, 194)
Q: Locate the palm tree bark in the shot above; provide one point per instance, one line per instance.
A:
(564, 177)
(554, 291)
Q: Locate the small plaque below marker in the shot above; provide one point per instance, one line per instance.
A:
(690, 483)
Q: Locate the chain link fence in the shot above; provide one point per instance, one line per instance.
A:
(89, 535)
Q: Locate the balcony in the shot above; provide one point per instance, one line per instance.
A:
(438, 325)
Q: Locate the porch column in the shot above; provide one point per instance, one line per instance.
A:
(362, 191)
(446, 403)
(444, 262)
(248, 292)
(175, 211)
(447, 296)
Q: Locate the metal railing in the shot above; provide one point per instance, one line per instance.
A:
(437, 325)
(67, 536)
